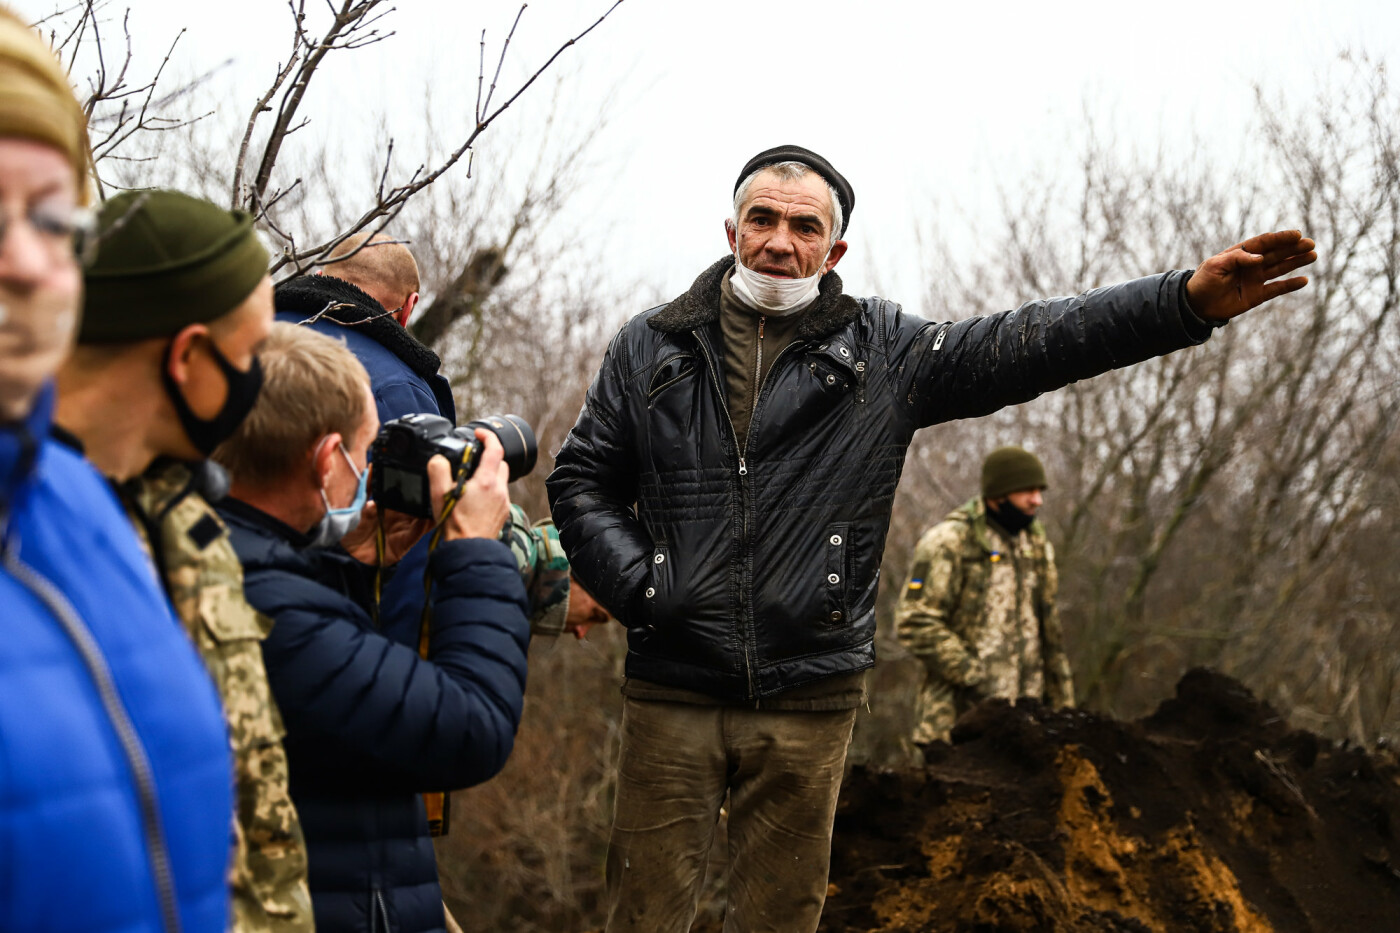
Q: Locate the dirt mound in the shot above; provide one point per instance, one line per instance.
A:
(1210, 815)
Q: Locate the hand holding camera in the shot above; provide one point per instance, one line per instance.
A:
(401, 532)
(416, 463)
(405, 445)
(484, 504)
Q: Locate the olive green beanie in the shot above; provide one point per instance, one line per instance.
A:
(166, 260)
(1011, 469)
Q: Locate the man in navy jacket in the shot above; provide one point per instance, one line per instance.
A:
(365, 297)
(370, 724)
(115, 778)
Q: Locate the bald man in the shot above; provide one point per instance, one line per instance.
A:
(364, 295)
(382, 268)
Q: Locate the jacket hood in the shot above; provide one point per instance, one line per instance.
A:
(700, 305)
(310, 295)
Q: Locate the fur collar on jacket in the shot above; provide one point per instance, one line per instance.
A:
(310, 295)
(700, 305)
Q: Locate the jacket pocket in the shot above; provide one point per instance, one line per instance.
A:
(226, 615)
(836, 547)
(669, 372)
(656, 591)
(229, 636)
(833, 381)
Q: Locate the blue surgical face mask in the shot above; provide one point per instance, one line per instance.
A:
(337, 523)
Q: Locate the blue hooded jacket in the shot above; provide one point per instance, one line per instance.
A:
(116, 786)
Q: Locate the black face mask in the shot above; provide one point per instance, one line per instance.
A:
(1009, 517)
(243, 389)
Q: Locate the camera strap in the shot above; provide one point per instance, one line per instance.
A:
(436, 805)
(380, 547)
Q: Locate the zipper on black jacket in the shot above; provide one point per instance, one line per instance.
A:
(759, 392)
(757, 377)
(77, 632)
(760, 380)
(747, 595)
(743, 490)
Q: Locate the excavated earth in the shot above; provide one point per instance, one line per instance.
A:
(1210, 815)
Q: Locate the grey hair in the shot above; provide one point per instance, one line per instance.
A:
(790, 171)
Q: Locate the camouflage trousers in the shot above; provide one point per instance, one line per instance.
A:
(782, 773)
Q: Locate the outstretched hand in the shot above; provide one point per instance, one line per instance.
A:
(1230, 283)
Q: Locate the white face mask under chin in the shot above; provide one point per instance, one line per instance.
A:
(770, 295)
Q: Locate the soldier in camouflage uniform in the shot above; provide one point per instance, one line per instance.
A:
(978, 608)
(157, 381)
(188, 540)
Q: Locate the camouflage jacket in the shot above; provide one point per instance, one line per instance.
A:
(978, 608)
(190, 547)
(544, 568)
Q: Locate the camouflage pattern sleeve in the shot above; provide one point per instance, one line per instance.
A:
(204, 579)
(1059, 683)
(927, 604)
(544, 568)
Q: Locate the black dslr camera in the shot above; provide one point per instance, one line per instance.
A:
(401, 452)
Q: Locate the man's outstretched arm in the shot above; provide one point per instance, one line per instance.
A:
(976, 366)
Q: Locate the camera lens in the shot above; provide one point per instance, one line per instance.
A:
(516, 437)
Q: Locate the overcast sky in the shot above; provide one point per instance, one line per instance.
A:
(911, 101)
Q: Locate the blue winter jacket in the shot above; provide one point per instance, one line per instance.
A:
(370, 724)
(403, 373)
(116, 787)
(404, 378)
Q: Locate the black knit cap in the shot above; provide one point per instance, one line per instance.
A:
(844, 192)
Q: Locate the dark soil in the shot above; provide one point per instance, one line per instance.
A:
(1209, 816)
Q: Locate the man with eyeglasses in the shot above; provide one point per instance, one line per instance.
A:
(114, 763)
(177, 301)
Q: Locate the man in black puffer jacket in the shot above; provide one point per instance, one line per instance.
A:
(726, 494)
(370, 724)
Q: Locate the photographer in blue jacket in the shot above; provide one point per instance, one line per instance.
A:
(371, 723)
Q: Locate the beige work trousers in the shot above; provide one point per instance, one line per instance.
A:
(782, 771)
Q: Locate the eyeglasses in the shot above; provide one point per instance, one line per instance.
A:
(65, 229)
